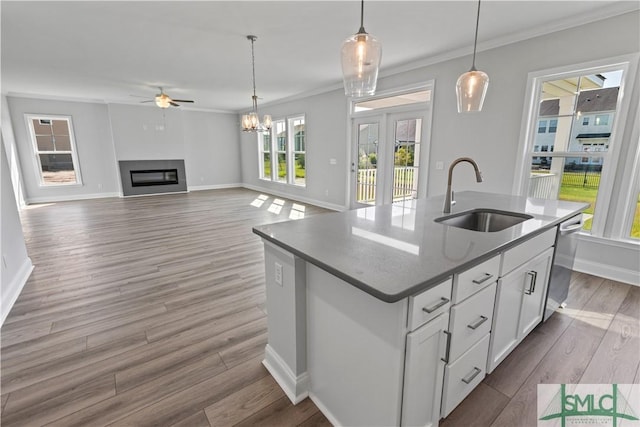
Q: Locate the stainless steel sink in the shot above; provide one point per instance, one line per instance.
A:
(485, 220)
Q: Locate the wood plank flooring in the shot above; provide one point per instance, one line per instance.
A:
(150, 311)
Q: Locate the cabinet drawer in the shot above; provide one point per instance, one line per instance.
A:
(471, 281)
(471, 320)
(463, 375)
(522, 253)
(430, 303)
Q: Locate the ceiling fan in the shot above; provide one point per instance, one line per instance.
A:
(163, 100)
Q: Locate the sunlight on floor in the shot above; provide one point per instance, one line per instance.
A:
(599, 320)
(297, 211)
(276, 206)
(258, 201)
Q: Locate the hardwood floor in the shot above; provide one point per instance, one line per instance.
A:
(150, 311)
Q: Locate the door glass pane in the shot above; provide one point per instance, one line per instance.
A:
(406, 157)
(635, 226)
(367, 163)
(57, 168)
(572, 178)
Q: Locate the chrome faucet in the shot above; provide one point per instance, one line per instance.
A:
(448, 200)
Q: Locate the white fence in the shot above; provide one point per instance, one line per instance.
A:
(543, 185)
(404, 183)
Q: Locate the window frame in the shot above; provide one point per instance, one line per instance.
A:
(289, 151)
(606, 219)
(36, 152)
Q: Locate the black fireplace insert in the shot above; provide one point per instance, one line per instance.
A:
(140, 178)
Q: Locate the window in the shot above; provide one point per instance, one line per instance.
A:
(542, 126)
(582, 160)
(602, 120)
(54, 150)
(283, 152)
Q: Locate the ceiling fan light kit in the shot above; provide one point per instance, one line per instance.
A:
(361, 55)
(471, 87)
(251, 121)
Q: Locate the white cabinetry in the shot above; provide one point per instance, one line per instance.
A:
(470, 327)
(520, 298)
(423, 374)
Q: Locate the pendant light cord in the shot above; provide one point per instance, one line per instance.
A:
(253, 69)
(361, 30)
(475, 41)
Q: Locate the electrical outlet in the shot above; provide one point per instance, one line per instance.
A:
(278, 274)
(439, 166)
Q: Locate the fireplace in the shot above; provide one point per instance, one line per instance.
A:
(140, 177)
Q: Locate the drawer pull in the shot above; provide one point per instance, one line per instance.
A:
(471, 376)
(533, 275)
(436, 306)
(478, 322)
(447, 350)
(484, 278)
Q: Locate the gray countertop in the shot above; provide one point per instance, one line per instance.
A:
(394, 251)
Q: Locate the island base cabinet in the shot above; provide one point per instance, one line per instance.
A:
(424, 371)
(463, 375)
(519, 307)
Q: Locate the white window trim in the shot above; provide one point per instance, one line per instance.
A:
(429, 85)
(629, 65)
(34, 150)
(289, 153)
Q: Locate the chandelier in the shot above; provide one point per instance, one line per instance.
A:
(251, 121)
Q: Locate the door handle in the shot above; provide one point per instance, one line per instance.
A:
(471, 376)
(436, 306)
(533, 275)
(478, 322)
(447, 348)
(484, 278)
(353, 167)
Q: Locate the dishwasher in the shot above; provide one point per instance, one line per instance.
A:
(562, 267)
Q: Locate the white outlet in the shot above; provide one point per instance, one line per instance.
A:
(99, 186)
(439, 166)
(333, 162)
(278, 274)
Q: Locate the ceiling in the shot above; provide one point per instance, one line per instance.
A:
(107, 51)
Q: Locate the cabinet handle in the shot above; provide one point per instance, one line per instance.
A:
(483, 278)
(447, 348)
(471, 376)
(436, 306)
(533, 275)
(478, 322)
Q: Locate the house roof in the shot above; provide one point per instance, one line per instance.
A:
(589, 101)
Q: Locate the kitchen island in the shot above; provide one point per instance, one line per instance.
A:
(362, 304)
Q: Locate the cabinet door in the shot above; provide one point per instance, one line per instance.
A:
(423, 374)
(536, 278)
(504, 331)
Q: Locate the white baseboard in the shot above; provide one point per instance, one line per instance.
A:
(213, 187)
(325, 411)
(68, 198)
(11, 291)
(301, 199)
(295, 387)
(632, 277)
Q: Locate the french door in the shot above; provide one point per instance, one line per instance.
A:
(388, 150)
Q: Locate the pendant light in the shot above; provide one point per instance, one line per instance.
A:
(361, 55)
(251, 121)
(471, 87)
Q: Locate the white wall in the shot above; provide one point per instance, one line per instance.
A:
(212, 150)
(15, 264)
(93, 142)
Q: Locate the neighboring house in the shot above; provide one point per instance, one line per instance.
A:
(589, 132)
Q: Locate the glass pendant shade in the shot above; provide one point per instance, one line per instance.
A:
(471, 89)
(361, 55)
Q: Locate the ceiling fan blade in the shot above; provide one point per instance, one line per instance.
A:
(182, 100)
(148, 100)
(174, 104)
